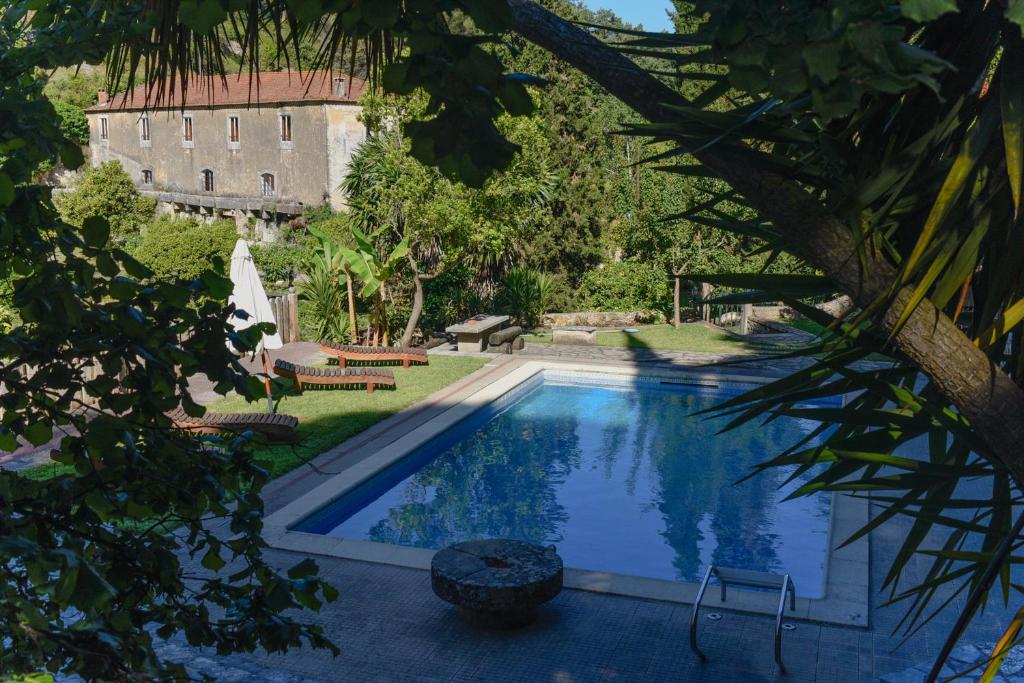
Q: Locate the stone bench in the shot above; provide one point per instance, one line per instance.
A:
(507, 340)
(574, 334)
(472, 334)
(497, 582)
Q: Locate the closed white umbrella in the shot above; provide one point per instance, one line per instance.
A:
(248, 295)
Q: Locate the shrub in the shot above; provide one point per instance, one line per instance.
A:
(278, 262)
(525, 295)
(73, 123)
(9, 318)
(182, 248)
(107, 191)
(626, 286)
(74, 87)
(448, 299)
(563, 296)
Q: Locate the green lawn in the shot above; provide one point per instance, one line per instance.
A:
(806, 325)
(329, 416)
(689, 337)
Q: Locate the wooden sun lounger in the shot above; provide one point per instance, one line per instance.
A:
(373, 354)
(304, 374)
(272, 425)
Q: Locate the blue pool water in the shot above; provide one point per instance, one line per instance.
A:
(617, 473)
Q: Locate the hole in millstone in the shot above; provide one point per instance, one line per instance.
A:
(496, 563)
(714, 616)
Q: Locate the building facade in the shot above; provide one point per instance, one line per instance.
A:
(257, 150)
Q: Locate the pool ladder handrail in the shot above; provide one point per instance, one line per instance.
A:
(752, 579)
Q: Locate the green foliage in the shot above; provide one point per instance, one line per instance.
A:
(595, 199)
(184, 248)
(626, 286)
(834, 54)
(278, 262)
(448, 299)
(9, 318)
(92, 576)
(526, 295)
(107, 192)
(75, 88)
(73, 123)
(446, 222)
(324, 295)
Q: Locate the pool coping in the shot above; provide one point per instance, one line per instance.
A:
(846, 599)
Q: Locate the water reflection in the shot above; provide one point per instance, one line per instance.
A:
(620, 480)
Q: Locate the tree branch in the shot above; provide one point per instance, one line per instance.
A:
(978, 387)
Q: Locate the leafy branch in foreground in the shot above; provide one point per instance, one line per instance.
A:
(142, 531)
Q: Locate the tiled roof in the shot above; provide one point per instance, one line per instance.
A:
(268, 87)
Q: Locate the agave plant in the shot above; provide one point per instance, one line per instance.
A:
(325, 293)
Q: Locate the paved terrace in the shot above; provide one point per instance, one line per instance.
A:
(391, 627)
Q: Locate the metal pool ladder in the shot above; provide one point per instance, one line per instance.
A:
(750, 579)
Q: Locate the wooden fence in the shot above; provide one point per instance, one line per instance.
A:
(286, 313)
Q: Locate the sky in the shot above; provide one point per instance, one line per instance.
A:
(650, 13)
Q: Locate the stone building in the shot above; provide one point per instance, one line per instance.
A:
(258, 150)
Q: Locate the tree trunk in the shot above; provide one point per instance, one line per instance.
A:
(675, 303)
(705, 294)
(979, 388)
(353, 328)
(382, 318)
(417, 301)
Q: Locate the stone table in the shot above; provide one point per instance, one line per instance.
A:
(497, 582)
(472, 334)
(584, 335)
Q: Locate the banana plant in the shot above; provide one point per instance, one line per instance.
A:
(326, 269)
(375, 272)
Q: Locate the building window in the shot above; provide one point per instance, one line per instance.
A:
(147, 176)
(286, 127)
(144, 131)
(232, 129)
(104, 130)
(186, 128)
(267, 185)
(207, 180)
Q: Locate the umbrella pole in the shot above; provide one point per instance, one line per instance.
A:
(266, 381)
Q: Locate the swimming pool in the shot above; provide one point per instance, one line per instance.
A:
(614, 470)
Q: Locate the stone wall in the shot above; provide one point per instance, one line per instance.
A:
(603, 318)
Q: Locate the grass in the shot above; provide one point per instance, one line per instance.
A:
(329, 416)
(689, 337)
(806, 325)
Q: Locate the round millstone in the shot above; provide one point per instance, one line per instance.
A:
(497, 582)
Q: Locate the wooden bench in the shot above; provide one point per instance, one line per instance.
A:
(371, 378)
(373, 354)
(506, 341)
(271, 425)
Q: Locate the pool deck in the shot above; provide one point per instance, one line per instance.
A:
(390, 626)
